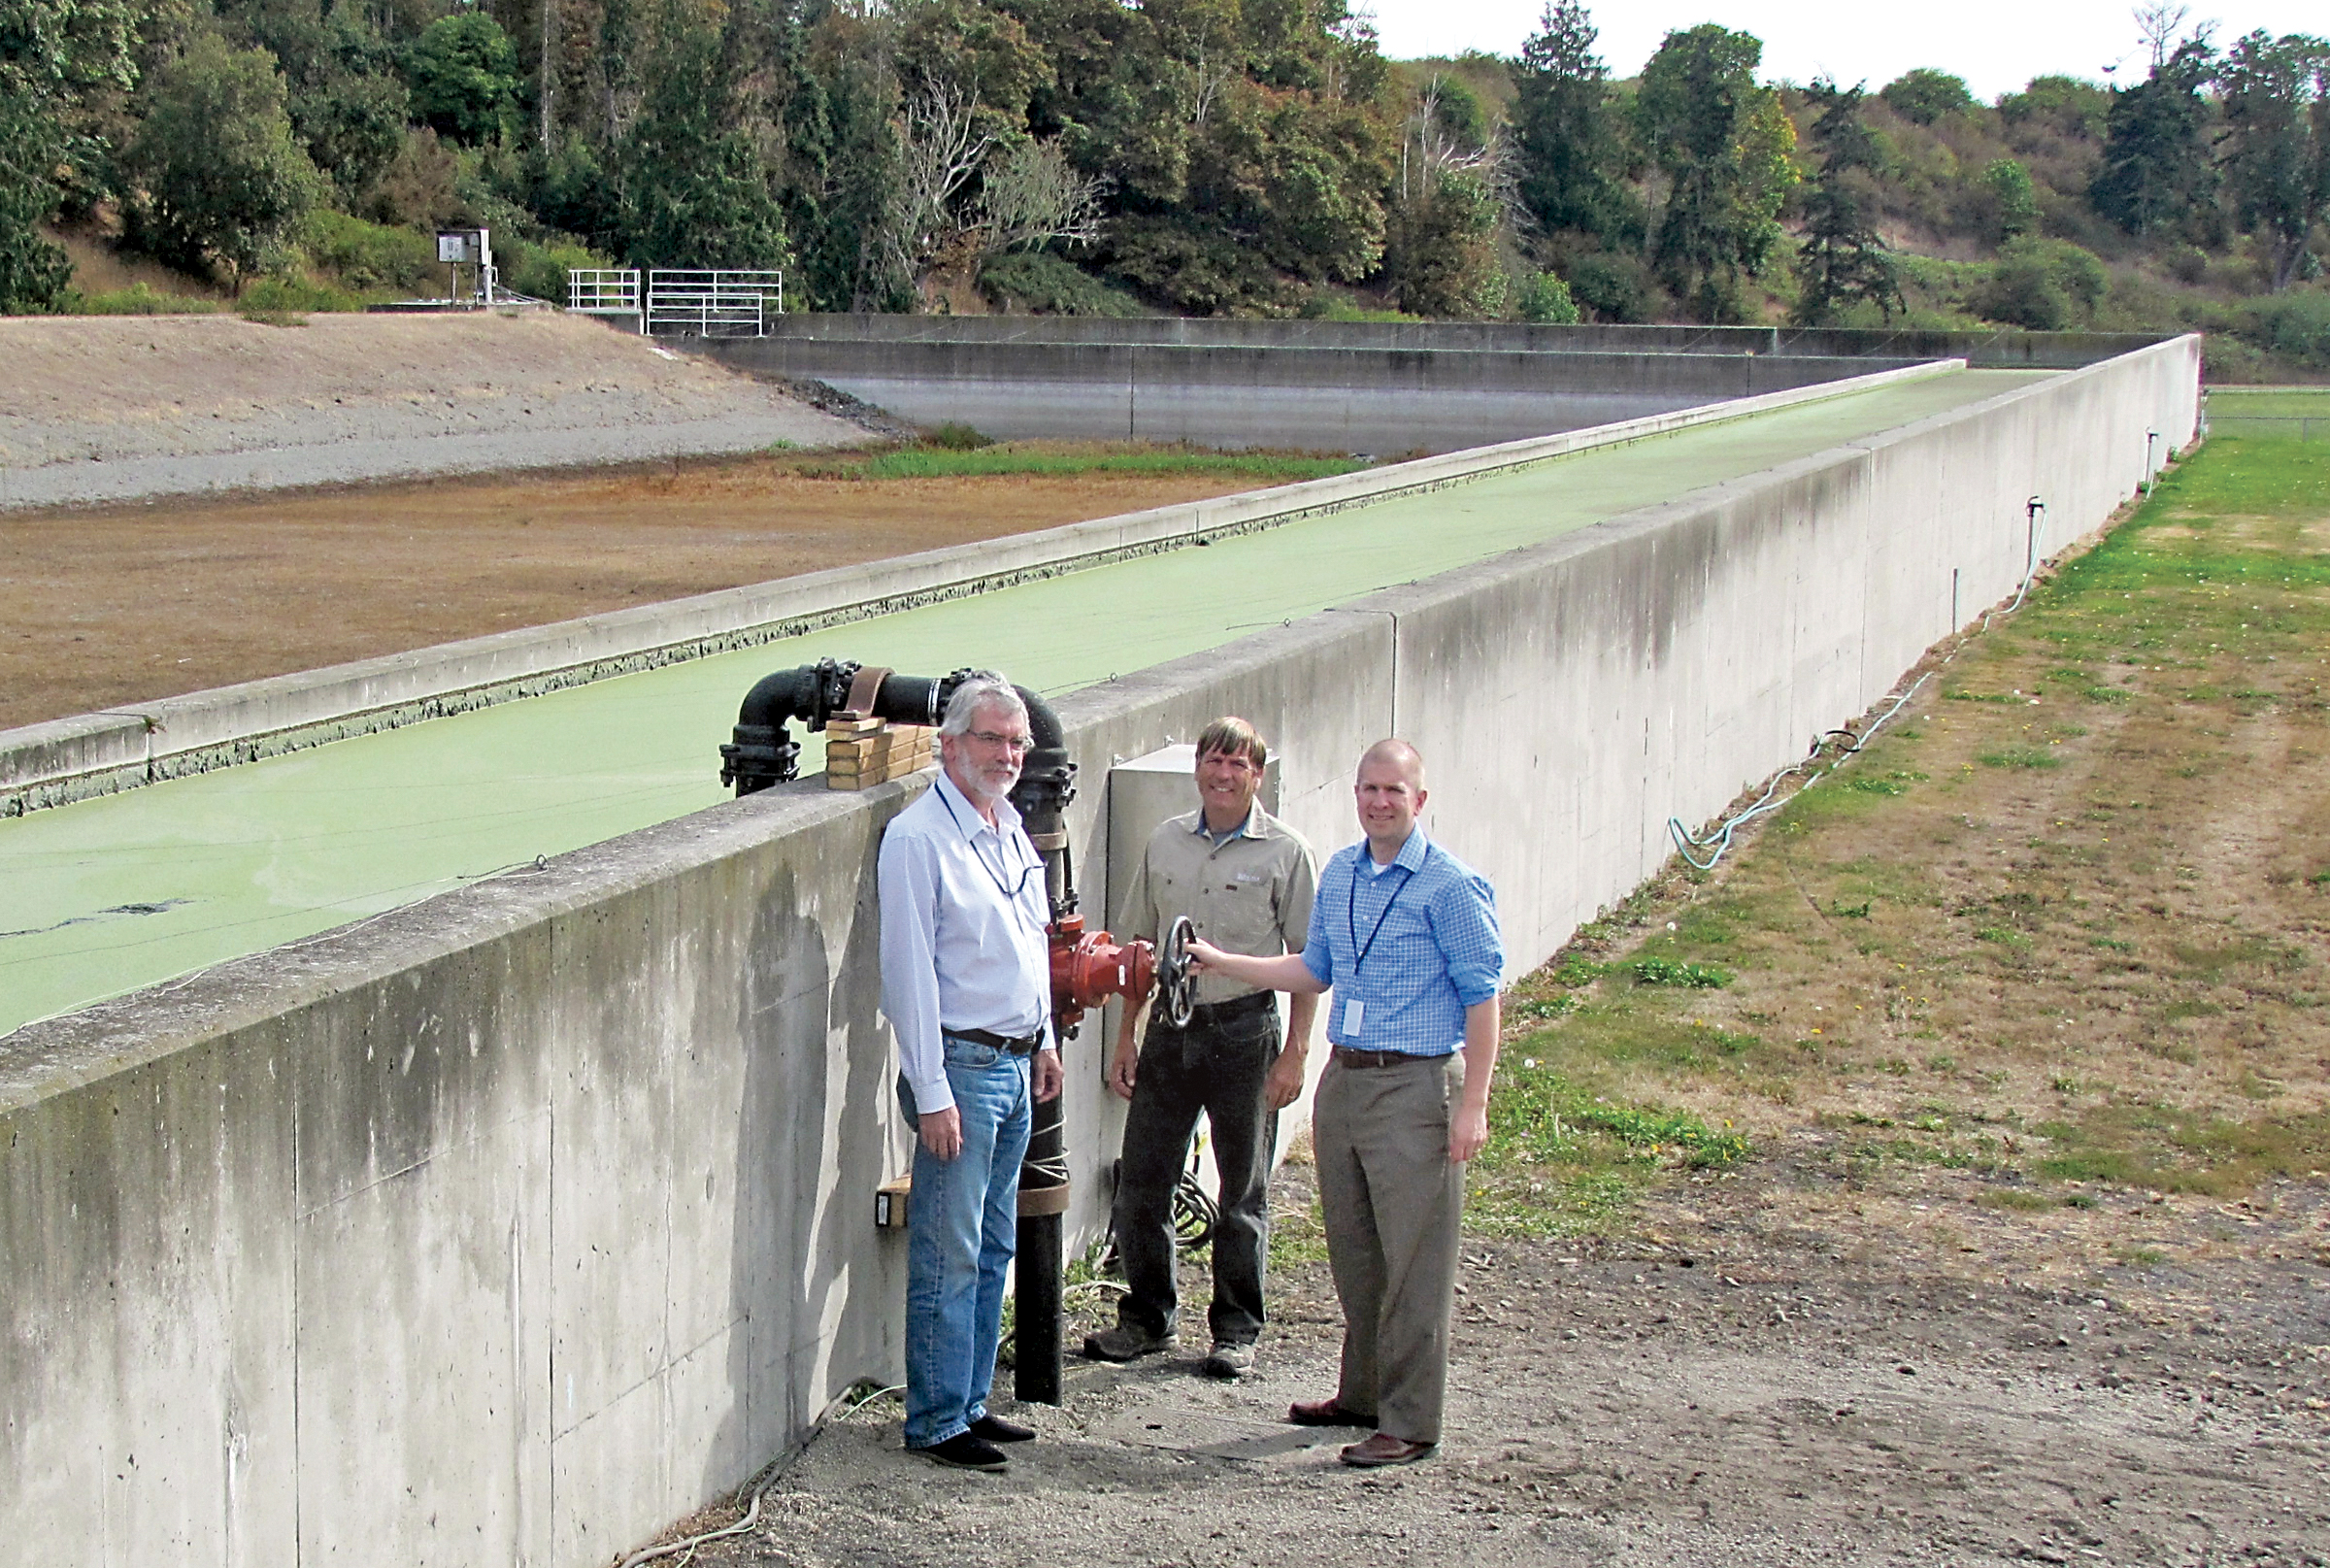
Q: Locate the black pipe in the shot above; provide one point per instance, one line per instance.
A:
(764, 752)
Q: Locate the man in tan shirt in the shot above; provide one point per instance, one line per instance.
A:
(1245, 880)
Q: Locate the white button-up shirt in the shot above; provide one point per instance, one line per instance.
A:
(963, 932)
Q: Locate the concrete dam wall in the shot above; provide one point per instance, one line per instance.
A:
(510, 1226)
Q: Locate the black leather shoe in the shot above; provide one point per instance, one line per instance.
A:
(964, 1451)
(993, 1428)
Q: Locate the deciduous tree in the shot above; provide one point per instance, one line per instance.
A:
(2276, 148)
(34, 274)
(464, 76)
(221, 180)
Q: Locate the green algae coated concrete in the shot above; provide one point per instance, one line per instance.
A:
(113, 894)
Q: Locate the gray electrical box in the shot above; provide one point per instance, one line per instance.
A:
(465, 247)
(1146, 790)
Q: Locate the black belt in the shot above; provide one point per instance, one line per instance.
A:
(1237, 1006)
(1020, 1045)
(1345, 1056)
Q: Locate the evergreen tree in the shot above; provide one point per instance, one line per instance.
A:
(2277, 149)
(1725, 146)
(2155, 168)
(693, 189)
(1843, 261)
(1567, 132)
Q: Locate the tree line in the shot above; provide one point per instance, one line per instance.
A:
(1195, 155)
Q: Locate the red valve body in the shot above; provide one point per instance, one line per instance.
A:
(1088, 967)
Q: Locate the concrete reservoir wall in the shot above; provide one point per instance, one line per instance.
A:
(1354, 386)
(507, 1227)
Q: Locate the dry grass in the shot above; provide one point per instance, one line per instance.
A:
(2044, 964)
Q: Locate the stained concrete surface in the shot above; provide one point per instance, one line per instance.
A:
(109, 895)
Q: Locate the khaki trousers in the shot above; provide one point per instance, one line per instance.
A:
(1392, 1204)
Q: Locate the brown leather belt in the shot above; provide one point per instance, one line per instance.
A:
(1345, 1056)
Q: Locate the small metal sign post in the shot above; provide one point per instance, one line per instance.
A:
(467, 248)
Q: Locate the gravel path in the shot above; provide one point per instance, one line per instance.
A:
(1729, 1390)
(127, 407)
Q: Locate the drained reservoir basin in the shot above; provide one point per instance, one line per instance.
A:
(110, 895)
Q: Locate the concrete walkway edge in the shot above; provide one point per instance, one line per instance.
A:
(101, 754)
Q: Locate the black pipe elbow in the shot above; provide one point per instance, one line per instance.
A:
(764, 752)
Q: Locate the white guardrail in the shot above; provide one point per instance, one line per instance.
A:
(697, 302)
(603, 290)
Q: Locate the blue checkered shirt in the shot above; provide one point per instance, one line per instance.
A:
(1427, 926)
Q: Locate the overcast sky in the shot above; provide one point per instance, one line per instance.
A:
(1996, 45)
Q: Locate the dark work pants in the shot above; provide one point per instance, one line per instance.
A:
(1217, 1068)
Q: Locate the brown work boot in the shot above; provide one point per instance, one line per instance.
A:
(1385, 1450)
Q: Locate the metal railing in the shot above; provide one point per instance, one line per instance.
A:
(724, 302)
(2303, 426)
(603, 290)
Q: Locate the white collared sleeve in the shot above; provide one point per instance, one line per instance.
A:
(907, 879)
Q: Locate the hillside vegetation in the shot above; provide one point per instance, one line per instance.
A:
(1196, 156)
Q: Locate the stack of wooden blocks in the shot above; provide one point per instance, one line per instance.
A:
(862, 752)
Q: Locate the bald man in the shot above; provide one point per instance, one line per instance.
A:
(1406, 934)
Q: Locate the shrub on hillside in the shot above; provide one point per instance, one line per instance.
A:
(2064, 105)
(294, 296)
(1544, 298)
(2042, 285)
(372, 256)
(1613, 287)
(1923, 96)
(1045, 285)
(2294, 326)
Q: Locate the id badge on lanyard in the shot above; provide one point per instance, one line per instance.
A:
(1354, 1010)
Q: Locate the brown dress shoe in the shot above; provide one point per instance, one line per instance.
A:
(1326, 1413)
(1383, 1449)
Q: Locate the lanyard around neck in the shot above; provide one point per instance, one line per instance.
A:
(1011, 894)
(1350, 911)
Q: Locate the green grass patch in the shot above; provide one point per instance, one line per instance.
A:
(139, 299)
(1563, 1160)
(2170, 1149)
(1679, 973)
(2019, 755)
(1298, 1234)
(938, 461)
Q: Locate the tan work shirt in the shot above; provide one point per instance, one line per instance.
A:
(1250, 894)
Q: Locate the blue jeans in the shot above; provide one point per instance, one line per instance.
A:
(962, 1228)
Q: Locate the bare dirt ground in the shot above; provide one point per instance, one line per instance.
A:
(2025, 1253)
(106, 605)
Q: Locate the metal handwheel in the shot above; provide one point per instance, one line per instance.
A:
(1176, 986)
